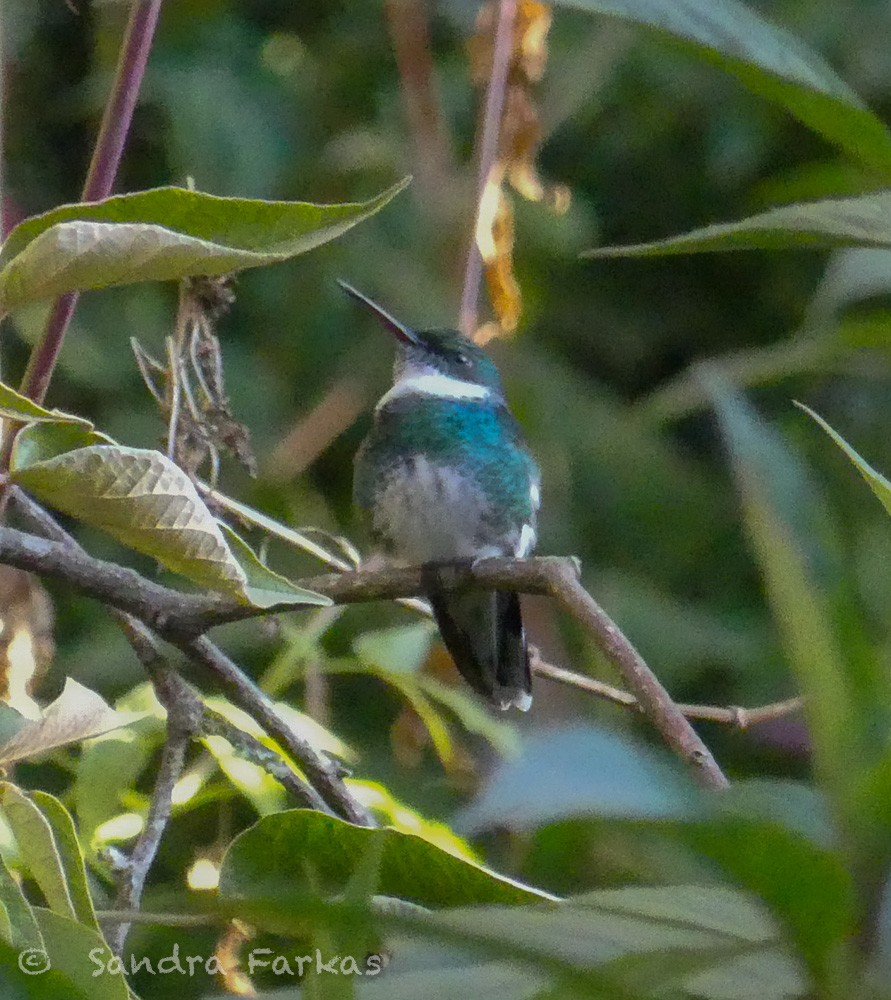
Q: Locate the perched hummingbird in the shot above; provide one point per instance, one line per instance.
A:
(446, 479)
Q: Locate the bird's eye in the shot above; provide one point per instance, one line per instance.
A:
(462, 359)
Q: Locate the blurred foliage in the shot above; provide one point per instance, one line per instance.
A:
(732, 543)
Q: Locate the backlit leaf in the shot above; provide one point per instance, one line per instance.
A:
(162, 235)
(147, 502)
(261, 861)
(842, 222)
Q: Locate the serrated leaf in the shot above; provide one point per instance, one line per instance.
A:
(18, 407)
(40, 442)
(260, 862)
(37, 844)
(842, 222)
(161, 235)
(147, 502)
(765, 58)
(77, 714)
(880, 486)
(264, 587)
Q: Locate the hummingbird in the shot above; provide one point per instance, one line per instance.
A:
(445, 479)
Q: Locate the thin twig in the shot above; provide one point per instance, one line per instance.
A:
(473, 271)
(182, 723)
(182, 620)
(172, 689)
(740, 718)
(322, 772)
(100, 177)
(655, 702)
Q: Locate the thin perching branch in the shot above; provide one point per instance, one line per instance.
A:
(733, 715)
(504, 34)
(182, 723)
(184, 624)
(101, 175)
(326, 793)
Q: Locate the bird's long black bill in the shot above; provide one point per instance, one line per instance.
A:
(399, 330)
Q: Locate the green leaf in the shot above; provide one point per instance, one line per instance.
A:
(38, 847)
(553, 779)
(81, 955)
(18, 407)
(282, 531)
(864, 221)
(768, 60)
(880, 486)
(261, 862)
(791, 537)
(399, 650)
(264, 587)
(702, 927)
(162, 235)
(500, 733)
(77, 714)
(70, 853)
(144, 500)
(24, 932)
(790, 874)
(40, 442)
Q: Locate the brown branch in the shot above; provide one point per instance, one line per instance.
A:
(410, 35)
(184, 627)
(734, 715)
(328, 793)
(182, 723)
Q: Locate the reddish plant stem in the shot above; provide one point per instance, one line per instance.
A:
(100, 178)
(504, 35)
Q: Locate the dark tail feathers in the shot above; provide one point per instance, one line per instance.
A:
(483, 632)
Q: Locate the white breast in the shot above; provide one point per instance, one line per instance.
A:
(430, 513)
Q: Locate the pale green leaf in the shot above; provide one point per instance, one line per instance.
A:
(260, 862)
(18, 407)
(264, 587)
(147, 502)
(864, 221)
(880, 486)
(70, 854)
(554, 779)
(768, 60)
(77, 714)
(81, 955)
(161, 235)
(24, 931)
(38, 848)
(399, 650)
(275, 528)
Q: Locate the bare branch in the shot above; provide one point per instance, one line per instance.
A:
(323, 773)
(740, 718)
(182, 723)
(327, 792)
(182, 620)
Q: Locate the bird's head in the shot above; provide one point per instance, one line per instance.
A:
(440, 352)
